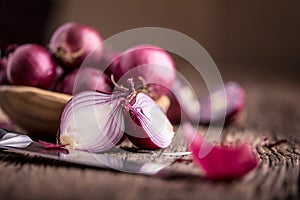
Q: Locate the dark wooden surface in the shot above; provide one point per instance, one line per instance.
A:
(272, 109)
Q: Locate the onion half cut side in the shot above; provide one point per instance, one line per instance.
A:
(92, 121)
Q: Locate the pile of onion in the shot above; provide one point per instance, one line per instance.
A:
(97, 118)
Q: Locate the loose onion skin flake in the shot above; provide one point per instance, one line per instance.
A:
(147, 126)
(87, 78)
(48, 145)
(221, 162)
(31, 65)
(72, 42)
(212, 107)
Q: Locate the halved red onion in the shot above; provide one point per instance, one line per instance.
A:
(92, 121)
(151, 63)
(212, 106)
(86, 78)
(32, 65)
(174, 111)
(72, 42)
(222, 162)
(146, 125)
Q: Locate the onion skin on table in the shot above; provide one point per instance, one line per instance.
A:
(220, 162)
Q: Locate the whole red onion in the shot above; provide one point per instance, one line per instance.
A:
(31, 65)
(184, 104)
(60, 73)
(214, 108)
(109, 63)
(87, 78)
(72, 42)
(151, 63)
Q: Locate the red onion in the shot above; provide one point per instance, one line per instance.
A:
(184, 104)
(86, 78)
(222, 162)
(212, 108)
(72, 42)
(94, 121)
(146, 125)
(110, 64)
(151, 63)
(3, 69)
(58, 77)
(174, 111)
(31, 65)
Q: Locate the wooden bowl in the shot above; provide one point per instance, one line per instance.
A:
(35, 110)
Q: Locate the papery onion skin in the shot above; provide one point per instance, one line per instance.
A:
(72, 42)
(143, 128)
(221, 162)
(87, 78)
(235, 102)
(31, 65)
(151, 63)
